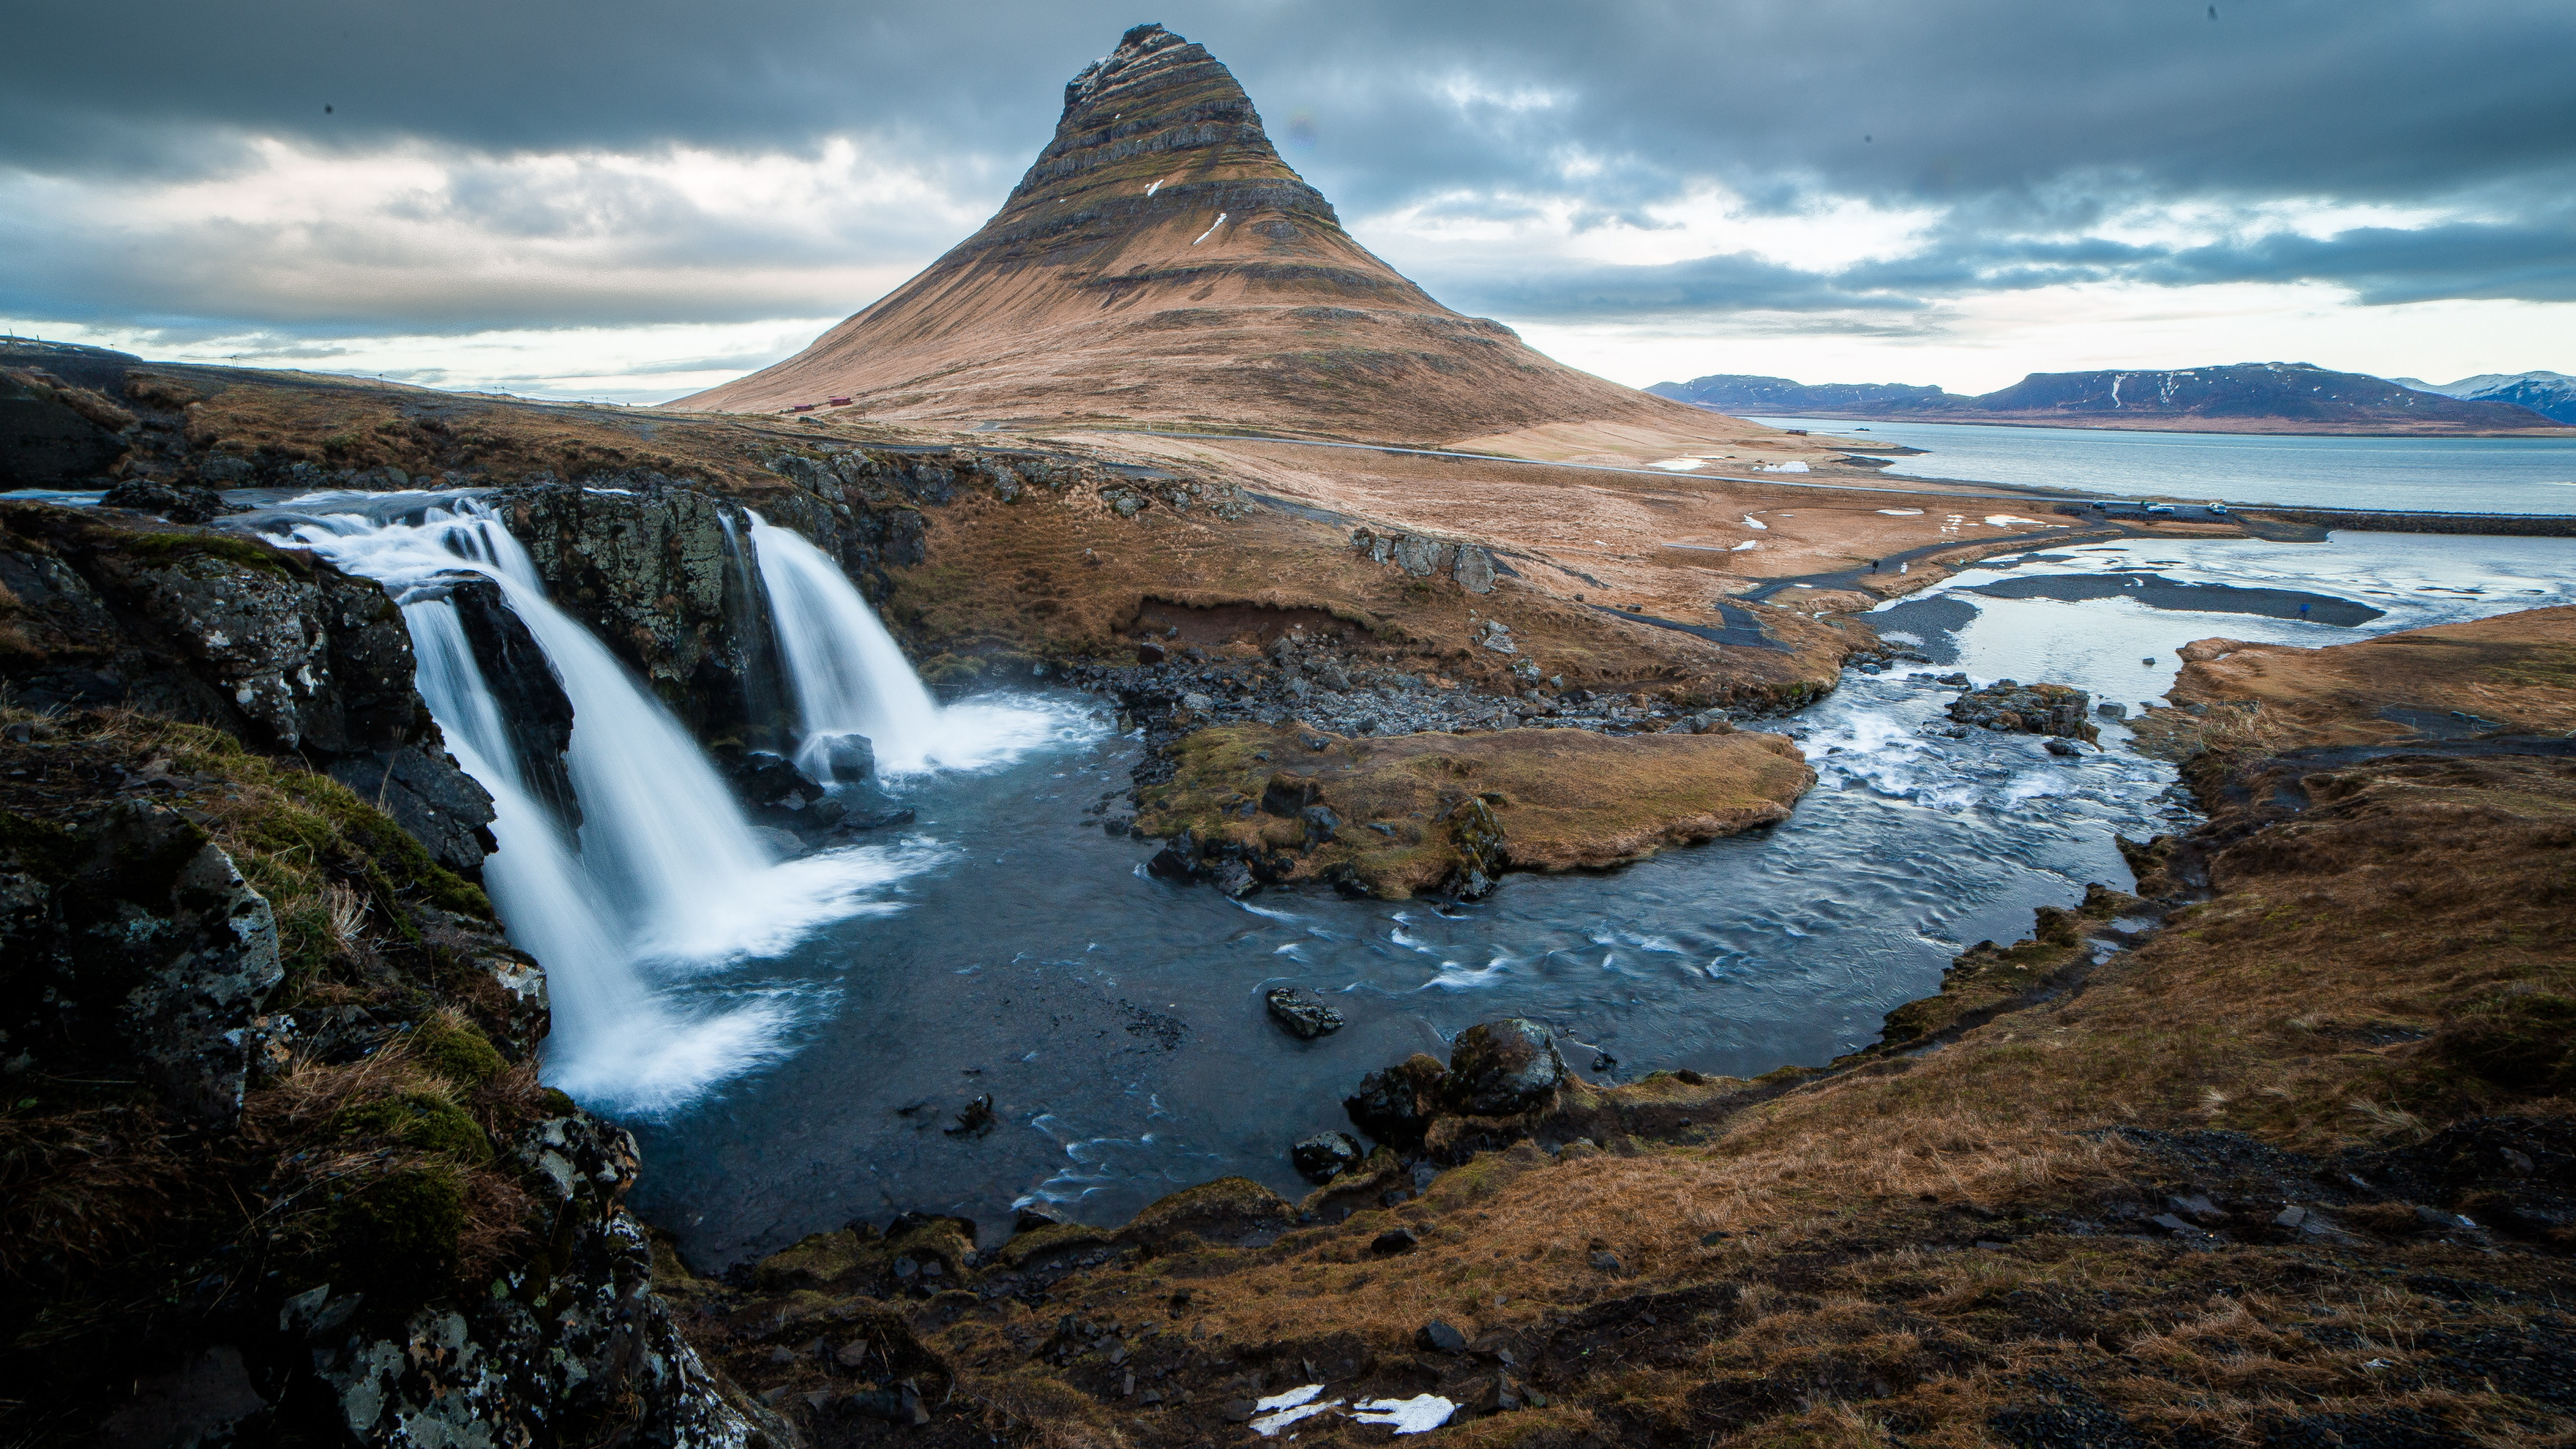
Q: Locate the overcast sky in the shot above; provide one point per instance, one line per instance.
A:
(635, 200)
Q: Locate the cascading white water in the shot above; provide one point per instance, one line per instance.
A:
(665, 874)
(848, 676)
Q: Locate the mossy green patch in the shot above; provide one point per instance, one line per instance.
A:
(401, 1229)
(454, 1049)
(422, 1121)
(248, 553)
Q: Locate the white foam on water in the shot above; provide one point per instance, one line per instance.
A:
(1456, 977)
(848, 676)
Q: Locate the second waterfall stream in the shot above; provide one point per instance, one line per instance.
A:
(642, 912)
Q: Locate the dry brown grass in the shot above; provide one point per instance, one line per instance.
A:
(1565, 799)
(81, 1187)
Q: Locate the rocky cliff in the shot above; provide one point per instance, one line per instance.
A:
(1160, 263)
(275, 1165)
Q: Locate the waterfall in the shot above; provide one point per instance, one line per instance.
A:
(664, 877)
(845, 671)
(847, 675)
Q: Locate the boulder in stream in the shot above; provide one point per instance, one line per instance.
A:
(1503, 1068)
(841, 757)
(2031, 709)
(1304, 1015)
(1325, 1155)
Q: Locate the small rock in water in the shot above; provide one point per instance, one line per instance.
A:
(1325, 1155)
(1304, 1015)
(976, 1120)
(844, 757)
(2149, 661)
(2111, 709)
(2067, 748)
(1036, 1215)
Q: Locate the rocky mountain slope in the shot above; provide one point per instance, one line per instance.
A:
(2276, 397)
(1160, 263)
(2551, 394)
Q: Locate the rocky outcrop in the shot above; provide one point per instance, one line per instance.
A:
(262, 1047)
(272, 646)
(535, 713)
(561, 1347)
(2030, 709)
(646, 563)
(131, 937)
(54, 433)
(1500, 1068)
(1472, 566)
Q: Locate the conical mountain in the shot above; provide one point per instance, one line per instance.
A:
(1160, 263)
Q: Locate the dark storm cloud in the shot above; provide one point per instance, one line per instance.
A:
(2030, 119)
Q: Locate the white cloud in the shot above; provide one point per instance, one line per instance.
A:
(425, 235)
(1983, 342)
(1460, 229)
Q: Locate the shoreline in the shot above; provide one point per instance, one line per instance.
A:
(2025, 420)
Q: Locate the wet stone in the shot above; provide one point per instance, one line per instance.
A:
(1305, 1016)
(1325, 1155)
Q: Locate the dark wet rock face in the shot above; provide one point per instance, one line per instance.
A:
(133, 938)
(1503, 1068)
(535, 712)
(2031, 709)
(276, 648)
(179, 503)
(1305, 1015)
(589, 1347)
(54, 434)
(646, 564)
(1325, 1155)
(1396, 1105)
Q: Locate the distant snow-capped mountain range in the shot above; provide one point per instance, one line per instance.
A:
(2251, 397)
(2550, 394)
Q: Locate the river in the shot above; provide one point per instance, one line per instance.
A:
(1116, 1020)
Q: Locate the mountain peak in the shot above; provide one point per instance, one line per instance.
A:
(1160, 262)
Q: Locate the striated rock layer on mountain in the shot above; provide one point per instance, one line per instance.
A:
(1161, 263)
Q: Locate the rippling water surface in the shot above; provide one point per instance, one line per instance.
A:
(1117, 1023)
(2441, 475)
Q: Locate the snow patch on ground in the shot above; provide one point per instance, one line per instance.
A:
(1418, 1415)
